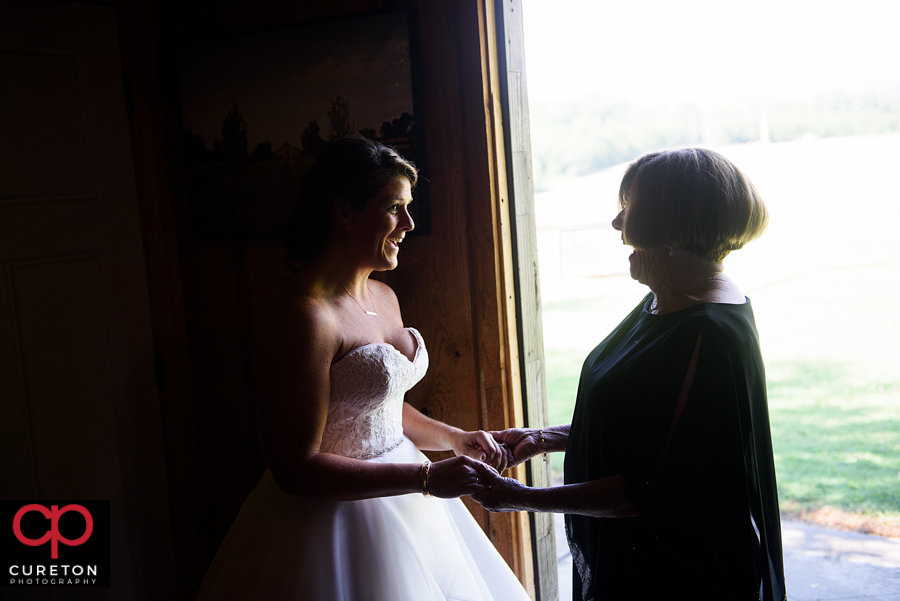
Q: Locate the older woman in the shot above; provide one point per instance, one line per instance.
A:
(350, 509)
(670, 483)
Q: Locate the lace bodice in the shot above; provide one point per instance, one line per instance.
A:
(365, 415)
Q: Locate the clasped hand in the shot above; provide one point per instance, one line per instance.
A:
(481, 458)
(482, 446)
(463, 475)
(501, 494)
(518, 444)
(460, 476)
(498, 494)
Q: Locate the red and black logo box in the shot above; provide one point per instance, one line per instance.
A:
(54, 543)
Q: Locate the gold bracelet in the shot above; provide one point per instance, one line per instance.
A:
(543, 442)
(423, 474)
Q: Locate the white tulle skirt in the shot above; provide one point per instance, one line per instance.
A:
(403, 548)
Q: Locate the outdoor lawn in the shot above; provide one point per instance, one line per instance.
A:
(824, 281)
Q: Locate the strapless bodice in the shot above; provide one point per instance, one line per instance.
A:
(365, 414)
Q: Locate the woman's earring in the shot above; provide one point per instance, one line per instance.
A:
(671, 251)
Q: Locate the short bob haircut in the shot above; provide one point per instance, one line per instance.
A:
(690, 198)
(351, 167)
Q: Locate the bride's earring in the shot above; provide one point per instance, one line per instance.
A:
(671, 251)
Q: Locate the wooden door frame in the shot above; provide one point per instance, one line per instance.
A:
(489, 240)
(507, 307)
(517, 134)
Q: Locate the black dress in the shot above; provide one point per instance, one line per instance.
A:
(704, 484)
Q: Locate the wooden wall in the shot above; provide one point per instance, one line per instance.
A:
(209, 297)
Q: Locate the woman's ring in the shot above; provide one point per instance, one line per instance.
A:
(477, 480)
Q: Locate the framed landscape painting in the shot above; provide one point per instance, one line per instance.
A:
(257, 108)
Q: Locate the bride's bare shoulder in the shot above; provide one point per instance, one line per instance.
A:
(298, 316)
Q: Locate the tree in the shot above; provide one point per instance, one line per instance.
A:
(368, 132)
(339, 116)
(400, 127)
(310, 140)
(262, 152)
(195, 153)
(234, 136)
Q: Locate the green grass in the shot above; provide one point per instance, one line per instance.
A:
(837, 442)
(563, 370)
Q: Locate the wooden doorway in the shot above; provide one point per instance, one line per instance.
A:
(513, 89)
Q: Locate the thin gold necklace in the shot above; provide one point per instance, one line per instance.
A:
(372, 312)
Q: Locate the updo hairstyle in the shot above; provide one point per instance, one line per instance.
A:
(690, 198)
(351, 167)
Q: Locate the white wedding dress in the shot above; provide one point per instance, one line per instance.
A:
(401, 548)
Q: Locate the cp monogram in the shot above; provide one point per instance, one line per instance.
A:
(53, 534)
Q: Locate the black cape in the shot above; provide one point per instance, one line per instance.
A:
(709, 525)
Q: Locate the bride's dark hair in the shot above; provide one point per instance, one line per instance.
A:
(351, 167)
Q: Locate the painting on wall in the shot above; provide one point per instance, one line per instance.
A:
(257, 108)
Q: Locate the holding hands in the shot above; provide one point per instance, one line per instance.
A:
(519, 444)
(461, 475)
(456, 477)
(483, 456)
(499, 494)
(482, 446)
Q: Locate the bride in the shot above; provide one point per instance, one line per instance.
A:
(350, 509)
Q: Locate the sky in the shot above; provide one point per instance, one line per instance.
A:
(695, 50)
